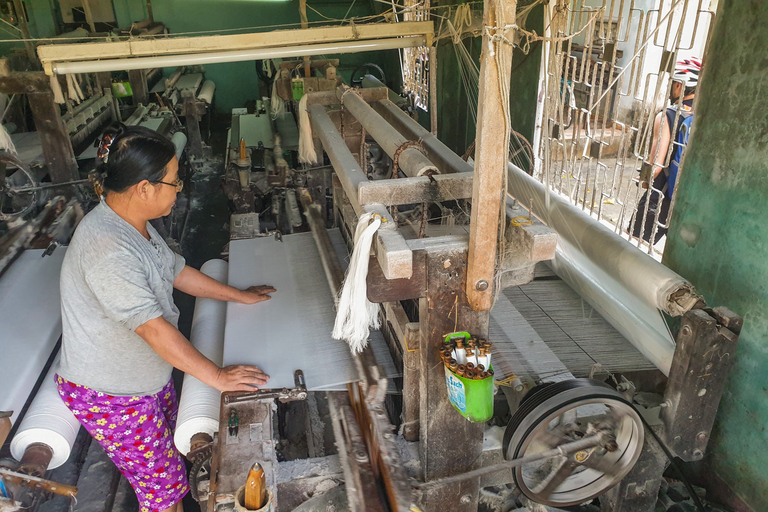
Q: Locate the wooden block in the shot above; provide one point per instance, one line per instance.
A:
(381, 289)
(442, 187)
(5, 428)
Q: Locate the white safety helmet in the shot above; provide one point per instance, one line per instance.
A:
(687, 71)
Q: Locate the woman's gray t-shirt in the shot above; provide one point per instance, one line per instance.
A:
(112, 281)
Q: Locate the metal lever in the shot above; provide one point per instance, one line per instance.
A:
(283, 395)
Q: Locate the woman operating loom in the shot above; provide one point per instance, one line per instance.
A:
(120, 339)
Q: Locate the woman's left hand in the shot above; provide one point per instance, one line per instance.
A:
(256, 294)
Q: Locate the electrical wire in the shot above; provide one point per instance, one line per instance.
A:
(674, 464)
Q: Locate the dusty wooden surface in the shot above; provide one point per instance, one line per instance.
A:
(492, 143)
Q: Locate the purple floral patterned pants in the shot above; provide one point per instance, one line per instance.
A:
(136, 433)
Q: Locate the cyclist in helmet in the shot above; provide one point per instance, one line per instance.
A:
(684, 82)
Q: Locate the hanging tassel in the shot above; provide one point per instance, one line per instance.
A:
(78, 91)
(6, 143)
(58, 95)
(307, 153)
(356, 315)
(276, 102)
(71, 90)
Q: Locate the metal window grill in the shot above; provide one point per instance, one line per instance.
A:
(607, 74)
(415, 61)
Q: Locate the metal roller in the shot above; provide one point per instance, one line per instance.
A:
(410, 160)
(558, 414)
(206, 92)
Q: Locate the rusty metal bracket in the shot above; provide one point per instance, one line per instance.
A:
(283, 395)
(415, 144)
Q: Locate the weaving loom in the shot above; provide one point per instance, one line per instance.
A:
(292, 330)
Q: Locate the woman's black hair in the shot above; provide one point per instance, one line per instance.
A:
(131, 154)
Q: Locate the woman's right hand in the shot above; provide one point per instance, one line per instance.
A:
(240, 377)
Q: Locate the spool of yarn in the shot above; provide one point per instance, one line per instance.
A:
(47, 421)
(199, 404)
(179, 140)
(206, 92)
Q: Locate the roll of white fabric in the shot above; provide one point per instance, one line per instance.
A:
(643, 276)
(199, 404)
(30, 324)
(206, 91)
(47, 421)
(179, 140)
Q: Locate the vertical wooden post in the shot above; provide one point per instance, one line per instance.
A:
(433, 90)
(104, 79)
(449, 444)
(192, 123)
(5, 428)
(492, 147)
(21, 15)
(57, 148)
(89, 15)
(305, 24)
(138, 79)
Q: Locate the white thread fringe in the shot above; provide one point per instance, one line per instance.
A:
(356, 315)
(6, 142)
(276, 103)
(58, 95)
(307, 153)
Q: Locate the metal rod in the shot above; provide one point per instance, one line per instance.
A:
(37, 483)
(561, 451)
(347, 169)
(48, 185)
(333, 271)
(410, 160)
(95, 66)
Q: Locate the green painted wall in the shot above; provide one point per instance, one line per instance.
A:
(456, 127)
(237, 82)
(719, 237)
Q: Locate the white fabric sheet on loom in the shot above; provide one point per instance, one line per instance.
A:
(292, 330)
(30, 316)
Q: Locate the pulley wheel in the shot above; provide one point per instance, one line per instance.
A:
(18, 194)
(200, 472)
(560, 413)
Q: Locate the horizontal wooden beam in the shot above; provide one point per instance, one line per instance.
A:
(185, 45)
(420, 189)
(25, 82)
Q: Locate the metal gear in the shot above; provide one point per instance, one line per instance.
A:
(555, 414)
(200, 471)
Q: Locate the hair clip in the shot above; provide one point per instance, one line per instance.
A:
(106, 142)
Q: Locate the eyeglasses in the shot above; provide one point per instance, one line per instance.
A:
(177, 183)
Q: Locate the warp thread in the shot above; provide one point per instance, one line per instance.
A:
(58, 94)
(6, 143)
(307, 152)
(356, 315)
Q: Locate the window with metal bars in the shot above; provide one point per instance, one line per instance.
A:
(608, 67)
(415, 61)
